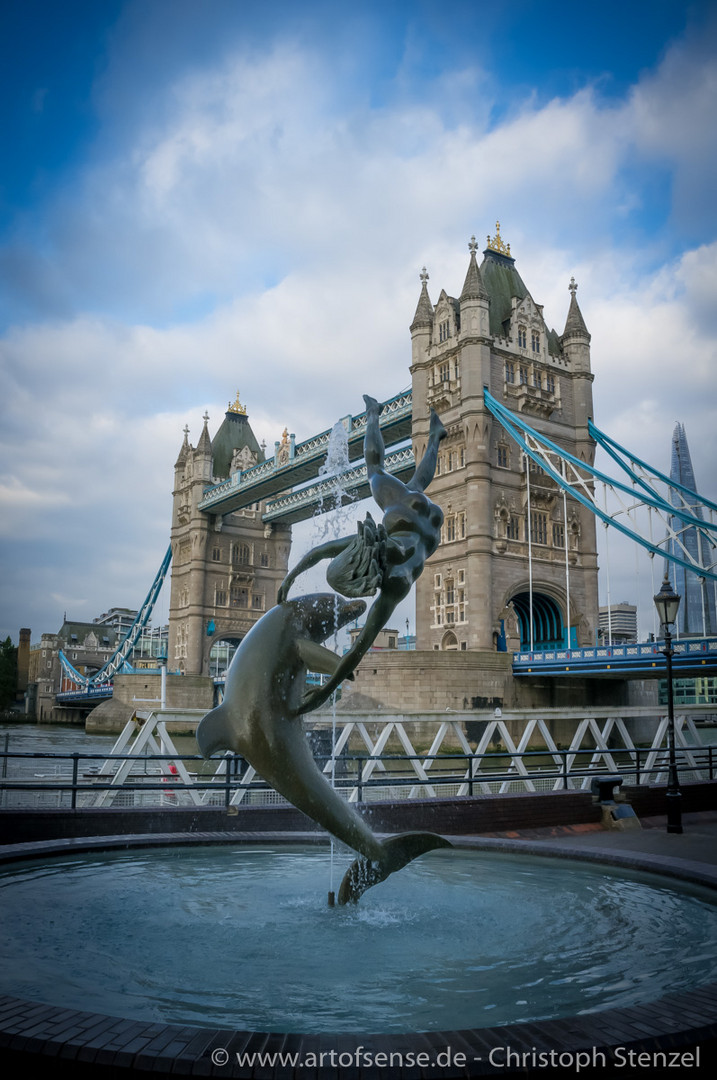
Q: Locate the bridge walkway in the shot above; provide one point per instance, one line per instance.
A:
(300, 463)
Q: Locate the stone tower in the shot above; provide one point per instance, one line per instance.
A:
(226, 569)
(481, 590)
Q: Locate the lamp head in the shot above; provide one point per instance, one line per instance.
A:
(667, 603)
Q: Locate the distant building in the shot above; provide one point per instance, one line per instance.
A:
(617, 624)
(385, 639)
(88, 646)
(120, 619)
(696, 616)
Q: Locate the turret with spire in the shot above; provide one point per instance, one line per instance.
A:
(421, 333)
(474, 300)
(575, 332)
(204, 451)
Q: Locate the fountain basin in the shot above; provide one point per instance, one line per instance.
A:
(241, 938)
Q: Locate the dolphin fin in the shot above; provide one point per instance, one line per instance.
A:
(397, 852)
(316, 657)
(213, 732)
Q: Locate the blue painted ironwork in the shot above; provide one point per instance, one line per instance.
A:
(118, 663)
(630, 462)
(577, 478)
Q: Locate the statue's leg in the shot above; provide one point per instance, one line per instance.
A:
(426, 467)
(373, 444)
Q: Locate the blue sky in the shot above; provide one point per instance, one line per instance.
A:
(195, 196)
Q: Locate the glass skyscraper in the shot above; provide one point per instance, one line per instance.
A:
(696, 615)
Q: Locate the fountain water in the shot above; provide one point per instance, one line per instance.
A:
(328, 522)
(234, 937)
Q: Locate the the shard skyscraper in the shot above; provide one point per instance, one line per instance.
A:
(696, 615)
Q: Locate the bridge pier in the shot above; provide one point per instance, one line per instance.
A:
(396, 680)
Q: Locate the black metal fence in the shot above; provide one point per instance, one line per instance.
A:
(77, 781)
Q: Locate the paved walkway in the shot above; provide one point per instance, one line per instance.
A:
(697, 842)
(690, 855)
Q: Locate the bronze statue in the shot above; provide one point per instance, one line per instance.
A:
(264, 694)
(389, 557)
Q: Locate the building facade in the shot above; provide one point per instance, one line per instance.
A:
(87, 645)
(618, 624)
(511, 551)
(226, 569)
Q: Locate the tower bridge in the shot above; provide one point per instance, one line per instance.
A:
(516, 570)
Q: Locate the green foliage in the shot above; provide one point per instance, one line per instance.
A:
(8, 672)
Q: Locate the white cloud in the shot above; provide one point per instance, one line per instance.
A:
(254, 235)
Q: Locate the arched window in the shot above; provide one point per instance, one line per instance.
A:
(449, 641)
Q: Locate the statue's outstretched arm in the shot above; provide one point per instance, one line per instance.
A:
(328, 550)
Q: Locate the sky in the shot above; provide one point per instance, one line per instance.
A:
(203, 197)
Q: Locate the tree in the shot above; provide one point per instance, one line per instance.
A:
(8, 673)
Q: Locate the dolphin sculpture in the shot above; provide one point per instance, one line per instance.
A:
(260, 718)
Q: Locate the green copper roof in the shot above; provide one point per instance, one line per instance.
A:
(502, 282)
(233, 434)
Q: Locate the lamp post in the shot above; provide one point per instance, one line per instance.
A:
(667, 603)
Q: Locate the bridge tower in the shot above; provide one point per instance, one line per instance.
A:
(226, 568)
(516, 566)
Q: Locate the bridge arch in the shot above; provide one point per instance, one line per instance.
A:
(221, 642)
(221, 652)
(548, 621)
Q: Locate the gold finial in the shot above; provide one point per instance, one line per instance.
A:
(237, 407)
(496, 244)
(285, 437)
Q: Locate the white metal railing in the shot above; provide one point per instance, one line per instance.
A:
(373, 759)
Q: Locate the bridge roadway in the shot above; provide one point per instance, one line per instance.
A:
(302, 464)
(692, 657)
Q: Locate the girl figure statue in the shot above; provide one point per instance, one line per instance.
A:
(388, 557)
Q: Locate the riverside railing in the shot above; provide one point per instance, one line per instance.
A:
(155, 781)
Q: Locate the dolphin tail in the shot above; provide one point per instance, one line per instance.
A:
(213, 732)
(397, 852)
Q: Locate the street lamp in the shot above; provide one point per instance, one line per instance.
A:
(667, 603)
